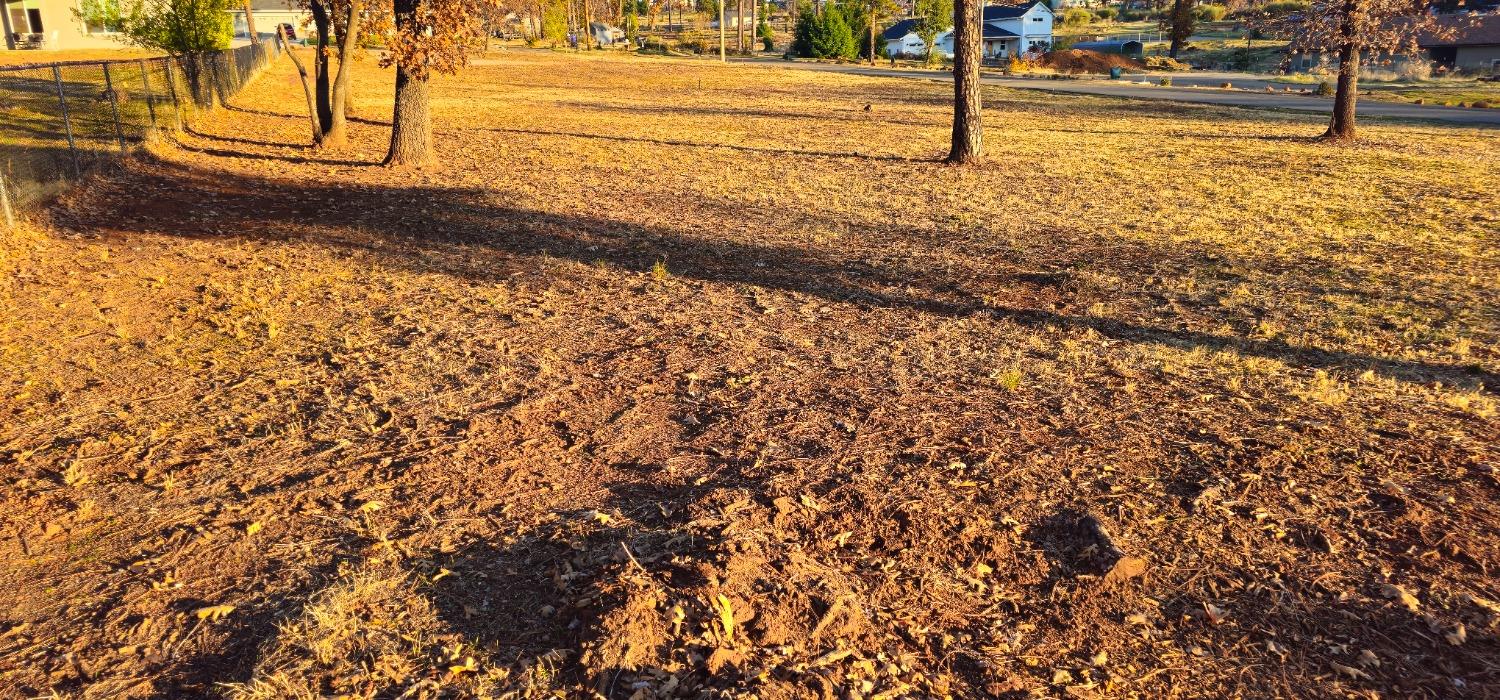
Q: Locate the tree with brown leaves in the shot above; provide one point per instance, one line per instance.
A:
(429, 36)
(1356, 30)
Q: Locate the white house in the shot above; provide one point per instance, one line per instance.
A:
(1008, 30)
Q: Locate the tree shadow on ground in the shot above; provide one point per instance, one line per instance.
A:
(283, 115)
(727, 146)
(440, 229)
(875, 115)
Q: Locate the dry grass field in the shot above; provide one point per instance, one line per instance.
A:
(683, 380)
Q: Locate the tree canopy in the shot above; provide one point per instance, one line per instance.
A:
(173, 26)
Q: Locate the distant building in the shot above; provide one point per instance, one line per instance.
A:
(268, 15)
(1474, 46)
(50, 24)
(1129, 48)
(1008, 30)
(53, 25)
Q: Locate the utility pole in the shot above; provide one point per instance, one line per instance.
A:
(722, 38)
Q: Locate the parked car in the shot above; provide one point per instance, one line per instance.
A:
(291, 31)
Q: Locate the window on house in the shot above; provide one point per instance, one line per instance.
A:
(35, 16)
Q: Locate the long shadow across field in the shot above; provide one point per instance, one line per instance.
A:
(729, 146)
(442, 229)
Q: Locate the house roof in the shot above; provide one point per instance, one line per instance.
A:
(992, 13)
(899, 29)
(993, 31)
(268, 5)
(998, 12)
(1467, 30)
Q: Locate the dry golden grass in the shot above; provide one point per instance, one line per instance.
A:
(677, 377)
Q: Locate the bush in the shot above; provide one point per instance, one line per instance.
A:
(1286, 7)
(1165, 82)
(1482, 104)
(1210, 13)
(767, 37)
(1325, 89)
(1132, 15)
(824, 36)
(696, 43)
(1106, 14)
(1166, 63)
(1077, 17)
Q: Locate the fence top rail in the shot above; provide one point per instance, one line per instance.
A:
(112, 61)
(65, 64)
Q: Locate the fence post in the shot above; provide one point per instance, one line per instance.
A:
(67, 120)
(10, 216)
(172, 90)
(114, 106)
(150, 98)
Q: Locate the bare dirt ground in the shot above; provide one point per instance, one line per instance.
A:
(681, 380)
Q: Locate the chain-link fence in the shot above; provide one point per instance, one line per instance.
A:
(61, 120)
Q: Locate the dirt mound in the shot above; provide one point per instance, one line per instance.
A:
(1084, 61)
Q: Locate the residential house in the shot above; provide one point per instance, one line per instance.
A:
(54, 25)
(270, 14)
(50, 24)
(1474, 46)
(1008, 30)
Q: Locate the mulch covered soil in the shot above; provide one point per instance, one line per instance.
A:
(1084, 61)
(674, 379)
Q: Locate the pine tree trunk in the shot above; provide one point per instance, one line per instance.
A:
(411, 123)
(1341, 126)
(1175, 17)
(968, 127)
(722, 39)
(872, 33)
(322, 89)
(337, 132)
(588, 26)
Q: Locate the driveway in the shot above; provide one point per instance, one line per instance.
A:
(1183, 92)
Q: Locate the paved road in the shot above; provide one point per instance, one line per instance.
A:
(1128, 89)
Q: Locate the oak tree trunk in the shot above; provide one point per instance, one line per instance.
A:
(1341, 126)
(337, 132)
(250, 23)
(312, 109)
(322, 89)
(968, 128)
(872, 34)
(411, 123)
